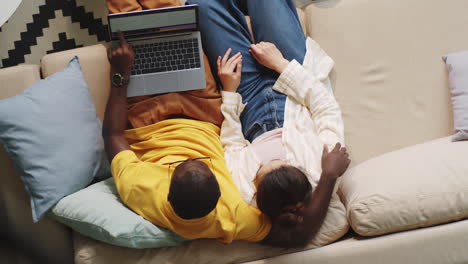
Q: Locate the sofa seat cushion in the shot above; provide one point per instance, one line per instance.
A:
(418, 186)
(431, 245)
(438, 244)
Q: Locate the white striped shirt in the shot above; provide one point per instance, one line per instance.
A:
(312, 119)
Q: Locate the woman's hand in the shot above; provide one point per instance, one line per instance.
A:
(268, 55)
(335, 162)
(229, 71)
(122, 56)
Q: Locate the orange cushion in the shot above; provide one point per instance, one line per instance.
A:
(122, 6)
(150, 4)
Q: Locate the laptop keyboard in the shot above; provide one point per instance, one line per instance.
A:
(166, 56)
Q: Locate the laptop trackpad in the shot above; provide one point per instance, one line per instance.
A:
(161, 83)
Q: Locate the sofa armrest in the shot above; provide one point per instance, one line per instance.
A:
(14, 80)
(95, 67)
(46, 241)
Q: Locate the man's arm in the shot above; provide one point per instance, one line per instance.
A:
(311, 213)
(115, 120)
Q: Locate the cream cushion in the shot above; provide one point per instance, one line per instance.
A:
(389, 76)
(418, 186)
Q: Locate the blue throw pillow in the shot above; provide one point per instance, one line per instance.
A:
(53, 135)
(98, 212)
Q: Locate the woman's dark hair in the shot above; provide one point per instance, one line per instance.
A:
(280, 192)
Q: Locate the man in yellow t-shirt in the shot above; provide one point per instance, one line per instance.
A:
(197, 198)
(173, 172)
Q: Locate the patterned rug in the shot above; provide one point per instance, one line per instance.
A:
(40, 27)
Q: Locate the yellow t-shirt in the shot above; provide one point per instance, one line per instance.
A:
(141, 177)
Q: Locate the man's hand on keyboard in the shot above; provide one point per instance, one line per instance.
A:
(122, 56)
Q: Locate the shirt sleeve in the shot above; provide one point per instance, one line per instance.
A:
(124, 168)
(305, 88)
(254, 225)
(231, 136)
(238, 154)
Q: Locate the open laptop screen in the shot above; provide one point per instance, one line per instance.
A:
(152, 22)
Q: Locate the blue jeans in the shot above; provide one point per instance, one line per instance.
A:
(223, 26)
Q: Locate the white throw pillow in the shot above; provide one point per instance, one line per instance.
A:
(457, 67)
(418, 186)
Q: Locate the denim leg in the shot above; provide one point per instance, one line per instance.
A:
(263, 114)
(277, 21)
(223, 26)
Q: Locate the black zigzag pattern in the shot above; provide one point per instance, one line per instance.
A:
(63, 44)
(35, 29)
(6, 22)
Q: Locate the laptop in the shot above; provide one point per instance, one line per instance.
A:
(167, 46)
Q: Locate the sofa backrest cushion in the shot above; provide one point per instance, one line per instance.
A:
(389, 77)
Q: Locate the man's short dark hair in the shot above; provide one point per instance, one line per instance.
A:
(194, 191)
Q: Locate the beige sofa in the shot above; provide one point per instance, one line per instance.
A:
(392, 85)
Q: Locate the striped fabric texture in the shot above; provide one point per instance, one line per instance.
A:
(312, 119)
